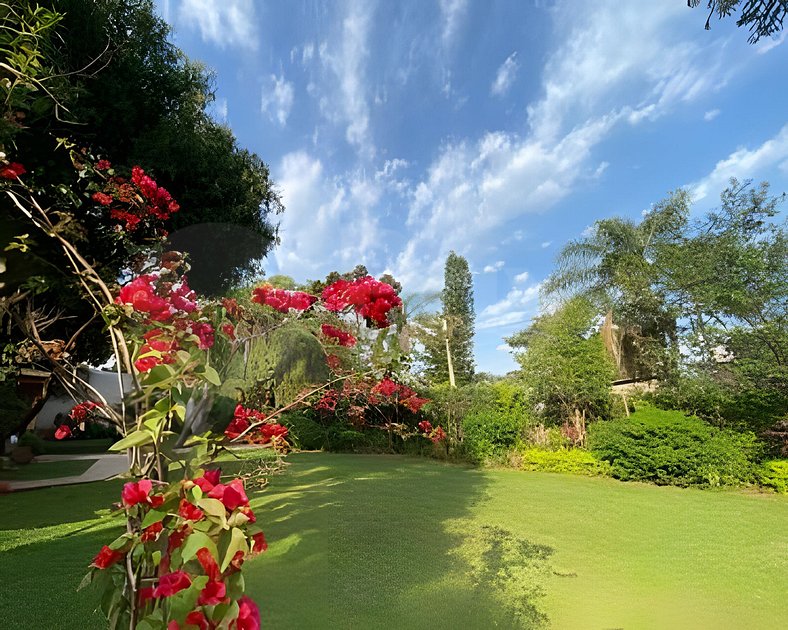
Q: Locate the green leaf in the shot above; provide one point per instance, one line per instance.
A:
(136, 438)
(236, 541)
(154, 516)
(212, 376)
(196, 541)
(214, 508)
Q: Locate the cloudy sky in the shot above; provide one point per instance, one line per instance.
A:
(398, 131)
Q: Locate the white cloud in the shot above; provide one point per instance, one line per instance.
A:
(711, 115)
(503, 347)
(330, 222)
(521, 277)
(765, 45)
(546, 244)
(277, 99)
(220, 109)
(496, 266)
(505, 76)
(347, 63)
(452, 13)
(742, 164)
(228, 23)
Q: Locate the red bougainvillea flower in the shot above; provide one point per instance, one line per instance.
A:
(329, 401)
(248, 615)
(425, 426)
(386, 387)
(131, 220)
(177, 537)
(151, 532)
(12, 170)
(190, 512)
(102, 198)
(204, 333)
(214, 593)
(62, 432)
(208, 480)
(368, 297)
(281, 299)
(103, 165)
(333, 361)
(146, 364)
(159, 202)
(343, 338)
(259, 543)
(182, 297)
(80, 411)
(231, 495)
(139, 492)
(272, 432)
(197, 619)
(247, 511)
(172, 583)
(414, 403)
(236, 427)
(145, 594)
(229, 330)
(208, 563)
(140, 293)
(106, 558)
(231, 306)
(439, 435)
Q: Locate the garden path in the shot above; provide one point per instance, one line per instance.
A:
(105, 467)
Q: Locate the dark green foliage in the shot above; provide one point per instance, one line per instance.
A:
(37, 445)
(670, 448)
(12, 408)
(576, 461)
(764, 18)
(305, 434)
(487, 433)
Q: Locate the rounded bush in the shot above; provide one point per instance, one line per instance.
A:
(565, 460)
(668, 447)
(774, 474)
(488, 433)
(305, 433)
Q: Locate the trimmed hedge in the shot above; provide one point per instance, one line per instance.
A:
(489, 433)
(774, 475)
(566, 460)
(669, 447)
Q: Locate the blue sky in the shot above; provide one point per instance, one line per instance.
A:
(398, 131)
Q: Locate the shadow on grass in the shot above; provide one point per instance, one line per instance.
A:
(390, 542)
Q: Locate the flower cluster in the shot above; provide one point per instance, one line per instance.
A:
(282, 300)
(134, 202)
(159, 300)
(266, 433)
(342, 337)
(368, 297)
(436, 434)
(79, 414)
(403, 395)
(328, 401)
(195, 535)
(12, 170)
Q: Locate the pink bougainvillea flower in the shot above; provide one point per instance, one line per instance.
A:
(62, 432)
(229, 330)
(248, 615)
(208, 480)
(12, 170)
(329, 401)
(368, 297)
(172, 583)
(333, 361)
(343, 338)
(151, 532)
(190, 512)
(106, 557)
(204, 333)
(141, 294)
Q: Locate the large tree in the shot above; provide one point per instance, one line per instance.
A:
(763, 18)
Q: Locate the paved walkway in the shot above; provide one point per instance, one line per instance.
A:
(106, 467)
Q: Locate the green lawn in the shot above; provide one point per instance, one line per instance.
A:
(395, 542)
(46, 470)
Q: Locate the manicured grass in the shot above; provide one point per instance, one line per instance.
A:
(46, 470)
(396, 542)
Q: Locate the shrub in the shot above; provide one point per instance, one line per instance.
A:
(488, 433)
(668, 447)
(565, 460)
(774, 474)
(305, 433)
(32, 440)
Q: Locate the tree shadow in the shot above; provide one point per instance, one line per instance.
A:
(390, 542)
